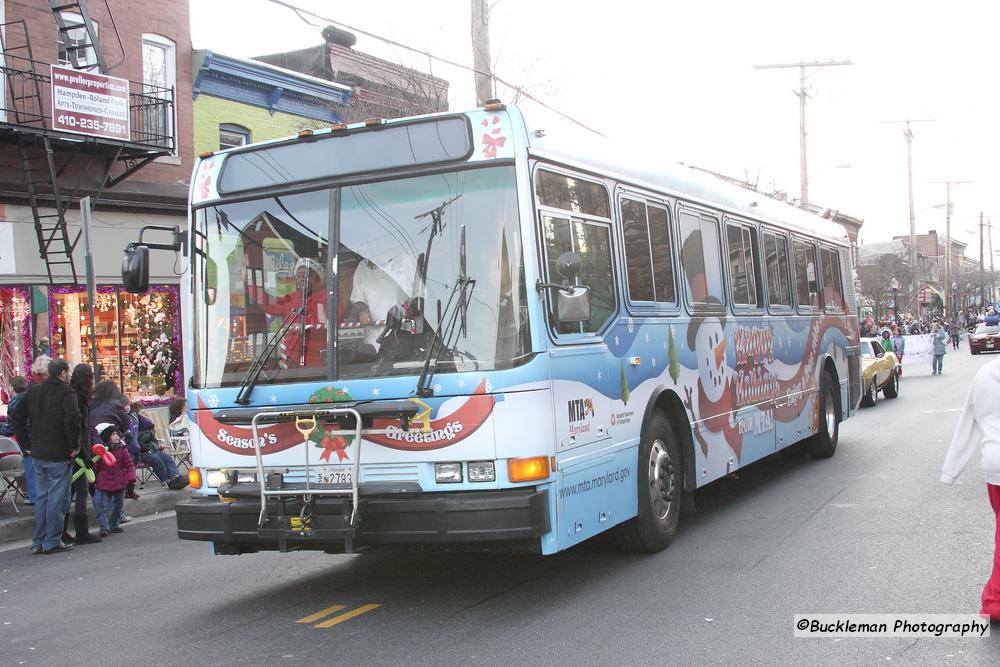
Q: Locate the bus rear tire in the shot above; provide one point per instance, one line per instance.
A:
(660, 490)
(824, 443)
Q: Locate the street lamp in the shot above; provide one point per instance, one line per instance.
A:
(954, 296)
(894, 286)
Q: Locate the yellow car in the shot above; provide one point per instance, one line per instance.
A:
(879, 372)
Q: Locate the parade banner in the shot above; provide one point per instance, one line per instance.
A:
(919, 349)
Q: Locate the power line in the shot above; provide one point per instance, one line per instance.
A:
(300, 12)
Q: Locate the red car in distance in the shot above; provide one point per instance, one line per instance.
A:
(986, 338)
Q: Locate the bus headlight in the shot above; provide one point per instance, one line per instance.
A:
(482, 471)
(448, 473)
(215, 478)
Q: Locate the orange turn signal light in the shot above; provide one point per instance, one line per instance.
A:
(194, 478)
(305, 133)
(528, 470)
(494, 105)
(206, 154)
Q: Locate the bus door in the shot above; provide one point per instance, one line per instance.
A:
(580, 361)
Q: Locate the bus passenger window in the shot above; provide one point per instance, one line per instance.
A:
(805, 273)
(648, 260)
(638, 261)
(571, 194)
(776, 261)
(592, 242)
(833, 291)
(701, 259)
(663, 261)
(743, 265)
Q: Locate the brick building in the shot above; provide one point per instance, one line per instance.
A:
(380, 88)
(128, 146)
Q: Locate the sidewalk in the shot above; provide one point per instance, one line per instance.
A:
(152, 500)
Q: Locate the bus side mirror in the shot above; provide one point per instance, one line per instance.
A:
(135, 269)
(573, 305)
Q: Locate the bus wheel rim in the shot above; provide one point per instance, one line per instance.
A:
(661, 479)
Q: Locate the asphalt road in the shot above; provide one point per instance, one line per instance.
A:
(869, 531)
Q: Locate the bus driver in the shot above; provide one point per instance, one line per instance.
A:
(376, 290)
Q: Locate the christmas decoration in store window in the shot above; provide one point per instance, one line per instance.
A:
(151, 350)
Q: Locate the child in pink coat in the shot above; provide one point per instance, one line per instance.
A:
(112, 480)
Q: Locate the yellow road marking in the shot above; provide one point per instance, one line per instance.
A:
(320, 614)
(346, 616)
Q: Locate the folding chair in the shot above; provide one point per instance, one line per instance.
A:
(144, 473)
(179, 447)
(11, 470)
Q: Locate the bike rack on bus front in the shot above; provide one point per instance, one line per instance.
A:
(306, 416)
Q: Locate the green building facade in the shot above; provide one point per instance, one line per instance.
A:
(239, 101)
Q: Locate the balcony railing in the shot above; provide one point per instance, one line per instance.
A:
(27, 104)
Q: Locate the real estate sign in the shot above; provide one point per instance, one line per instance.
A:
(87, 103)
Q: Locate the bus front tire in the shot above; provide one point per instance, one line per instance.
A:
(824, 443)
(660, 490)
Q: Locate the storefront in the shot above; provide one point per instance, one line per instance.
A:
(137, 337)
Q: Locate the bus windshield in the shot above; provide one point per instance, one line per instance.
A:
(399, 249)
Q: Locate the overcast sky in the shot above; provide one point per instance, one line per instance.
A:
(678, 79)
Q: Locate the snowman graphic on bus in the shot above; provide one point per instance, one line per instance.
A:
(710, 398)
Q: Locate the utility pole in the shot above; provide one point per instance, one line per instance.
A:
(993, 277)
(982, 278)
(481, 51)
(908, 134)
(802, 95)
(947, 238)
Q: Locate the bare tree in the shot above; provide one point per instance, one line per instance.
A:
(875, 282)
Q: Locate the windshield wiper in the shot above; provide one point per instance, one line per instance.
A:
(250, 381)
(447, 331)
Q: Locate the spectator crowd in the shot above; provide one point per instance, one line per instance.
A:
(81, 441)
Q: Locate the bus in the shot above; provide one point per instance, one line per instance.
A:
(472, 331)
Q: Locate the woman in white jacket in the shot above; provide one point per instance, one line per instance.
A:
(980, 424)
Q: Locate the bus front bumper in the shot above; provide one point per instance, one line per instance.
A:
(510, 519)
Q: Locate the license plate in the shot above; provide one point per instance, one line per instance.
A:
(338, 475)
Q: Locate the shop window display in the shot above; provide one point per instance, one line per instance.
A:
(15, 337)
(137, 337)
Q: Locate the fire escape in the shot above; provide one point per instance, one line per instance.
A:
(58, 165)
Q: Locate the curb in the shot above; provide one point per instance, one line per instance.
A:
(22, 526)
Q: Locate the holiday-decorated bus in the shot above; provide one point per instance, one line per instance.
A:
(468, 330)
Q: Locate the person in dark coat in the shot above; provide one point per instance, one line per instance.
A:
(53, 440)
(82, 382)
(110, 406)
